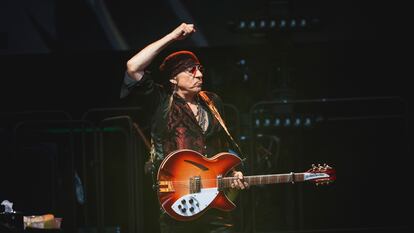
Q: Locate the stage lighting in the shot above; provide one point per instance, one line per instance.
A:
(277, 122)
(282, 23)
(262, 24)
(269, 25)
(241, 62)
(297, 122)
(272, 23)
(303, 23)
(242, 25)
(308, 122)
(292, 23)
(266, 122)
(287, 122)
(257, 123)
(252, 25)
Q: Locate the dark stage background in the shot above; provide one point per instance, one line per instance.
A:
(334, 90)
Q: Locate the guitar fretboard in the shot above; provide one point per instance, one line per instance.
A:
(266, 179)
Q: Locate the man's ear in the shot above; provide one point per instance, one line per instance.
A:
(173, 81)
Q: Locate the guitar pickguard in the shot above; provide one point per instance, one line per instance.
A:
(192, 204)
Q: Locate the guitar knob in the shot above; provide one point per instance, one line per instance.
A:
(183, 201)
(183, 210)
(179, 206)
(191, 201)
(191, 209)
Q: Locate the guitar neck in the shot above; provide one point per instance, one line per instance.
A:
(267, 179)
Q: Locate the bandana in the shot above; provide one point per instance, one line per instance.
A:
(177, 62)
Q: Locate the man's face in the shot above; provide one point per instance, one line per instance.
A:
(190, 80)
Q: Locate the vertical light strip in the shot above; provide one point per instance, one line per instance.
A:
(184, 15)
(108, 25)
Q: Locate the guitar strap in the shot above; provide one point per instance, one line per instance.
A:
(217, 115)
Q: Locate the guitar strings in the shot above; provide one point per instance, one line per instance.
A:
(185, 183)
(249, 177)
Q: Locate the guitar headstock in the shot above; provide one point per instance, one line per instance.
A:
(321, 174)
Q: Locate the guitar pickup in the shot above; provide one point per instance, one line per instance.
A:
(165, 186)
(195, 184)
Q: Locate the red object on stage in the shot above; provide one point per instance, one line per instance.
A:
(189, 183)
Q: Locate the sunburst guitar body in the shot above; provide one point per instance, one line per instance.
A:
(190, 184)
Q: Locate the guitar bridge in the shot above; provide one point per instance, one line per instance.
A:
(165, 186)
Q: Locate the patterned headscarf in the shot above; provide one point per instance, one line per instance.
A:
(177, 62)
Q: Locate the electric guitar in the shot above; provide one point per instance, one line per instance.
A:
(189, 184)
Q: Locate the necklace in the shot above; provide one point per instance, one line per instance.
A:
(195, 111)
(198, 111)
(200, 114)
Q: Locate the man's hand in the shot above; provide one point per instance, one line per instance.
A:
(239, 183)
(182, 31)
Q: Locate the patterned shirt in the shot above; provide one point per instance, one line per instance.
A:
(174, 126)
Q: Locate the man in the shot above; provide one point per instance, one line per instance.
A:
(181, 118)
